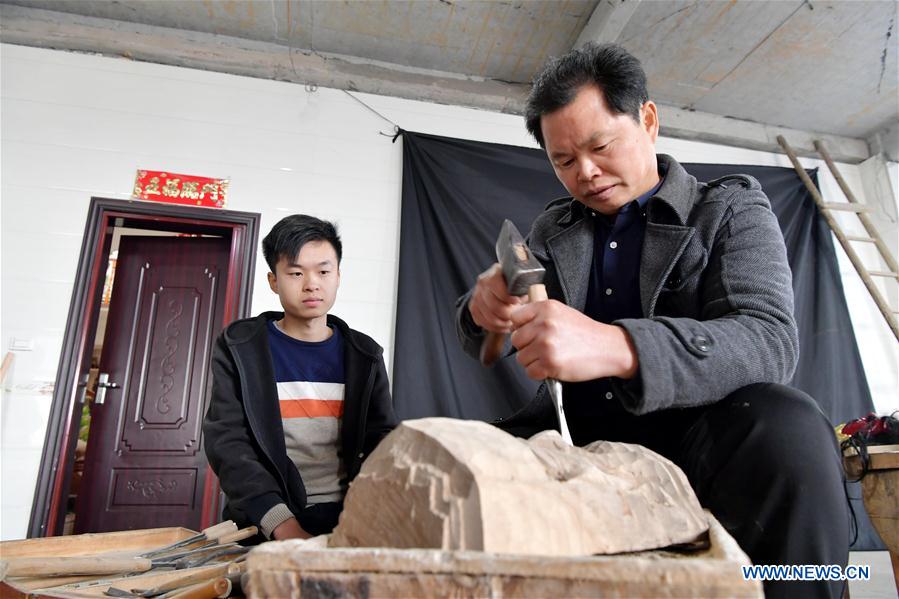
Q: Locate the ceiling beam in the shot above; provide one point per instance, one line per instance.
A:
(250, 58)
(704, 126)
(265, 60)
(886, 142)
(607, 21)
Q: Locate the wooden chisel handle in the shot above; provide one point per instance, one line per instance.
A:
(191, 578)
(217, 587)
(67, 566)
(221, 529)
(537, 293)
(240, 535)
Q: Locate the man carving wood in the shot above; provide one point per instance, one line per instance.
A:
(670, 320)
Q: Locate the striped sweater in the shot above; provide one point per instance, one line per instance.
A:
(310, 382)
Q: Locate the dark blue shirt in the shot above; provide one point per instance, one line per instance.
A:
(313, 361)
(613, 294)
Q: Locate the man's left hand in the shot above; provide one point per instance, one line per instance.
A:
(556, 341)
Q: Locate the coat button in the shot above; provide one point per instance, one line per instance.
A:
(361, 455)
(702, 343)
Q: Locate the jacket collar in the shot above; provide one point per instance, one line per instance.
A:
(678, 190)
(572, 250)
(576, 211)
(248, 330)
(571, 247)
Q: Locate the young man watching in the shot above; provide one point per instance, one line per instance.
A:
(299, 399)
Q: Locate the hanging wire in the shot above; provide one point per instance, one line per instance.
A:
(397, 131)
(312, 87)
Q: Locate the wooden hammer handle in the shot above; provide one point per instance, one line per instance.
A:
(537, 293)
(492, 348)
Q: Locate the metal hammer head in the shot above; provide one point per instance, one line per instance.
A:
(519, 266)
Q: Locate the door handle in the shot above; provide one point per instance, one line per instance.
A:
(103, 383)
(82, 384)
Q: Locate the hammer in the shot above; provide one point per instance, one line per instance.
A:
(524, 275)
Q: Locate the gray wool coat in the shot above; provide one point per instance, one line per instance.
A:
(715, 289)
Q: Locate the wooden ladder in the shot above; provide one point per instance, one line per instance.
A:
(860, 211)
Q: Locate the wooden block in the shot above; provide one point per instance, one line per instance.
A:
(464, 485)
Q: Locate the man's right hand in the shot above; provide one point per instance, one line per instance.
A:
(290, 529)
(490, 304)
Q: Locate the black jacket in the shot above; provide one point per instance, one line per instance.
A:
(244, 437)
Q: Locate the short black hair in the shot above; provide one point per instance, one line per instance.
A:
(292, 232)
(616, 72)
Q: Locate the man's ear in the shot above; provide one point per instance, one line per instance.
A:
(273, 282)
(649, 119)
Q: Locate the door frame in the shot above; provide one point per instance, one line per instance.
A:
(54, 477)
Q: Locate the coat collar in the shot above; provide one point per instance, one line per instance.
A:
(668, 211)
(678, 191)
(243, 331)
(571, 251)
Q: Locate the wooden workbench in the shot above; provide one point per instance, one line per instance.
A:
(880, 493)
(295, 569)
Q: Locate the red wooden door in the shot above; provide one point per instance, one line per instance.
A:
(145, 466)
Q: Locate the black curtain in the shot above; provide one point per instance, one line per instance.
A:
(456, 194)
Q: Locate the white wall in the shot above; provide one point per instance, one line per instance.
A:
(76, 126)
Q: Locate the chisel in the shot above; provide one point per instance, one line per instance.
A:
(213, 532)
(524, 275)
